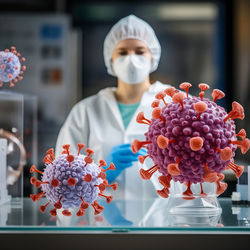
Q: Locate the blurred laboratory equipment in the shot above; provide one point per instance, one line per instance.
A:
(18, 125)
(13, 174)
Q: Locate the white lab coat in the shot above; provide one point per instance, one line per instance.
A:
(96, 121)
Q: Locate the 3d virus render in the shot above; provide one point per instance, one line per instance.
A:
(72, 181)
(10, 67)
(191, 140)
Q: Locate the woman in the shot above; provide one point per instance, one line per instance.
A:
(106, 122)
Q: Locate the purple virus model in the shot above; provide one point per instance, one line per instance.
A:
(72, 181)
(191, 140)
(10, 66)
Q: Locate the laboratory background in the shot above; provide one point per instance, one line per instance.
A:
(62, 41)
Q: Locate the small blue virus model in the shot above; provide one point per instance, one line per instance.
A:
(71, 181)
(10, 66)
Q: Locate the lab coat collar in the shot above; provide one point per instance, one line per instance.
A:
(109, 95)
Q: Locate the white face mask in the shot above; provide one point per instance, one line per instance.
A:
(132, 69)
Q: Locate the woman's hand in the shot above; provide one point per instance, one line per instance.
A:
(123, 157)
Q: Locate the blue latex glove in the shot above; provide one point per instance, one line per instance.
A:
(123, 157)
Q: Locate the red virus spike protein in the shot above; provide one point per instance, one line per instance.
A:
(71, 182)
(11, 69)
(192, 140)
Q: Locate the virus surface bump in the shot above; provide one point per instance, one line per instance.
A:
(192, 140)
(11, 69)
(72, 181)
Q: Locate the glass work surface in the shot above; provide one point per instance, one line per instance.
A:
(121, 215)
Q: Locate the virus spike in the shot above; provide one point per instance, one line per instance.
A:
(111, 167)
(34, 169)
(136, 145)
(55, 183)
(89, 151)
(242, 133)
(221, 186)
(155, 103)
(164, 180)
(80, 212)
(88, 160)
(13, 48)
(200, 107)
(33, 180)
(156, 114)
(108, 198)
(66, 212)
(101, 187)
(24, 67)
(185, 86)
(71, 181)
(202, 192)
(102, 175)
(146, 174)
(113, 186)
(238, 170)
(160, 96)
(58, 204)
(84, 204)
(141, 119)
(173, 168)
(47, 160)
(243, 145)
(66, 148)
(36, 197)
(142, 158)
(51, 153)
(178, 98)
(196, 143)
(80, 147)
(162, 141)
(164, 193)
(188, 192)
(237, 112)
(209, 176)
(43, 208)
(23, 59)
(53, 212)
(203, 87)
(225, 153)
(70, 158)
(102, 163)
(171, 91)
(87, 178)
(217, 94)
(98, 208)
(6, 50)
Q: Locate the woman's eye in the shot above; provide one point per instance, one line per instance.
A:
(141, 52)
(123, 53)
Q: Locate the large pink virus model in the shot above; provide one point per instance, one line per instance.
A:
(191, 140)
(10, 67)
(72, 181)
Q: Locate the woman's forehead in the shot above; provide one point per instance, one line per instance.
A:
(131, 44)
